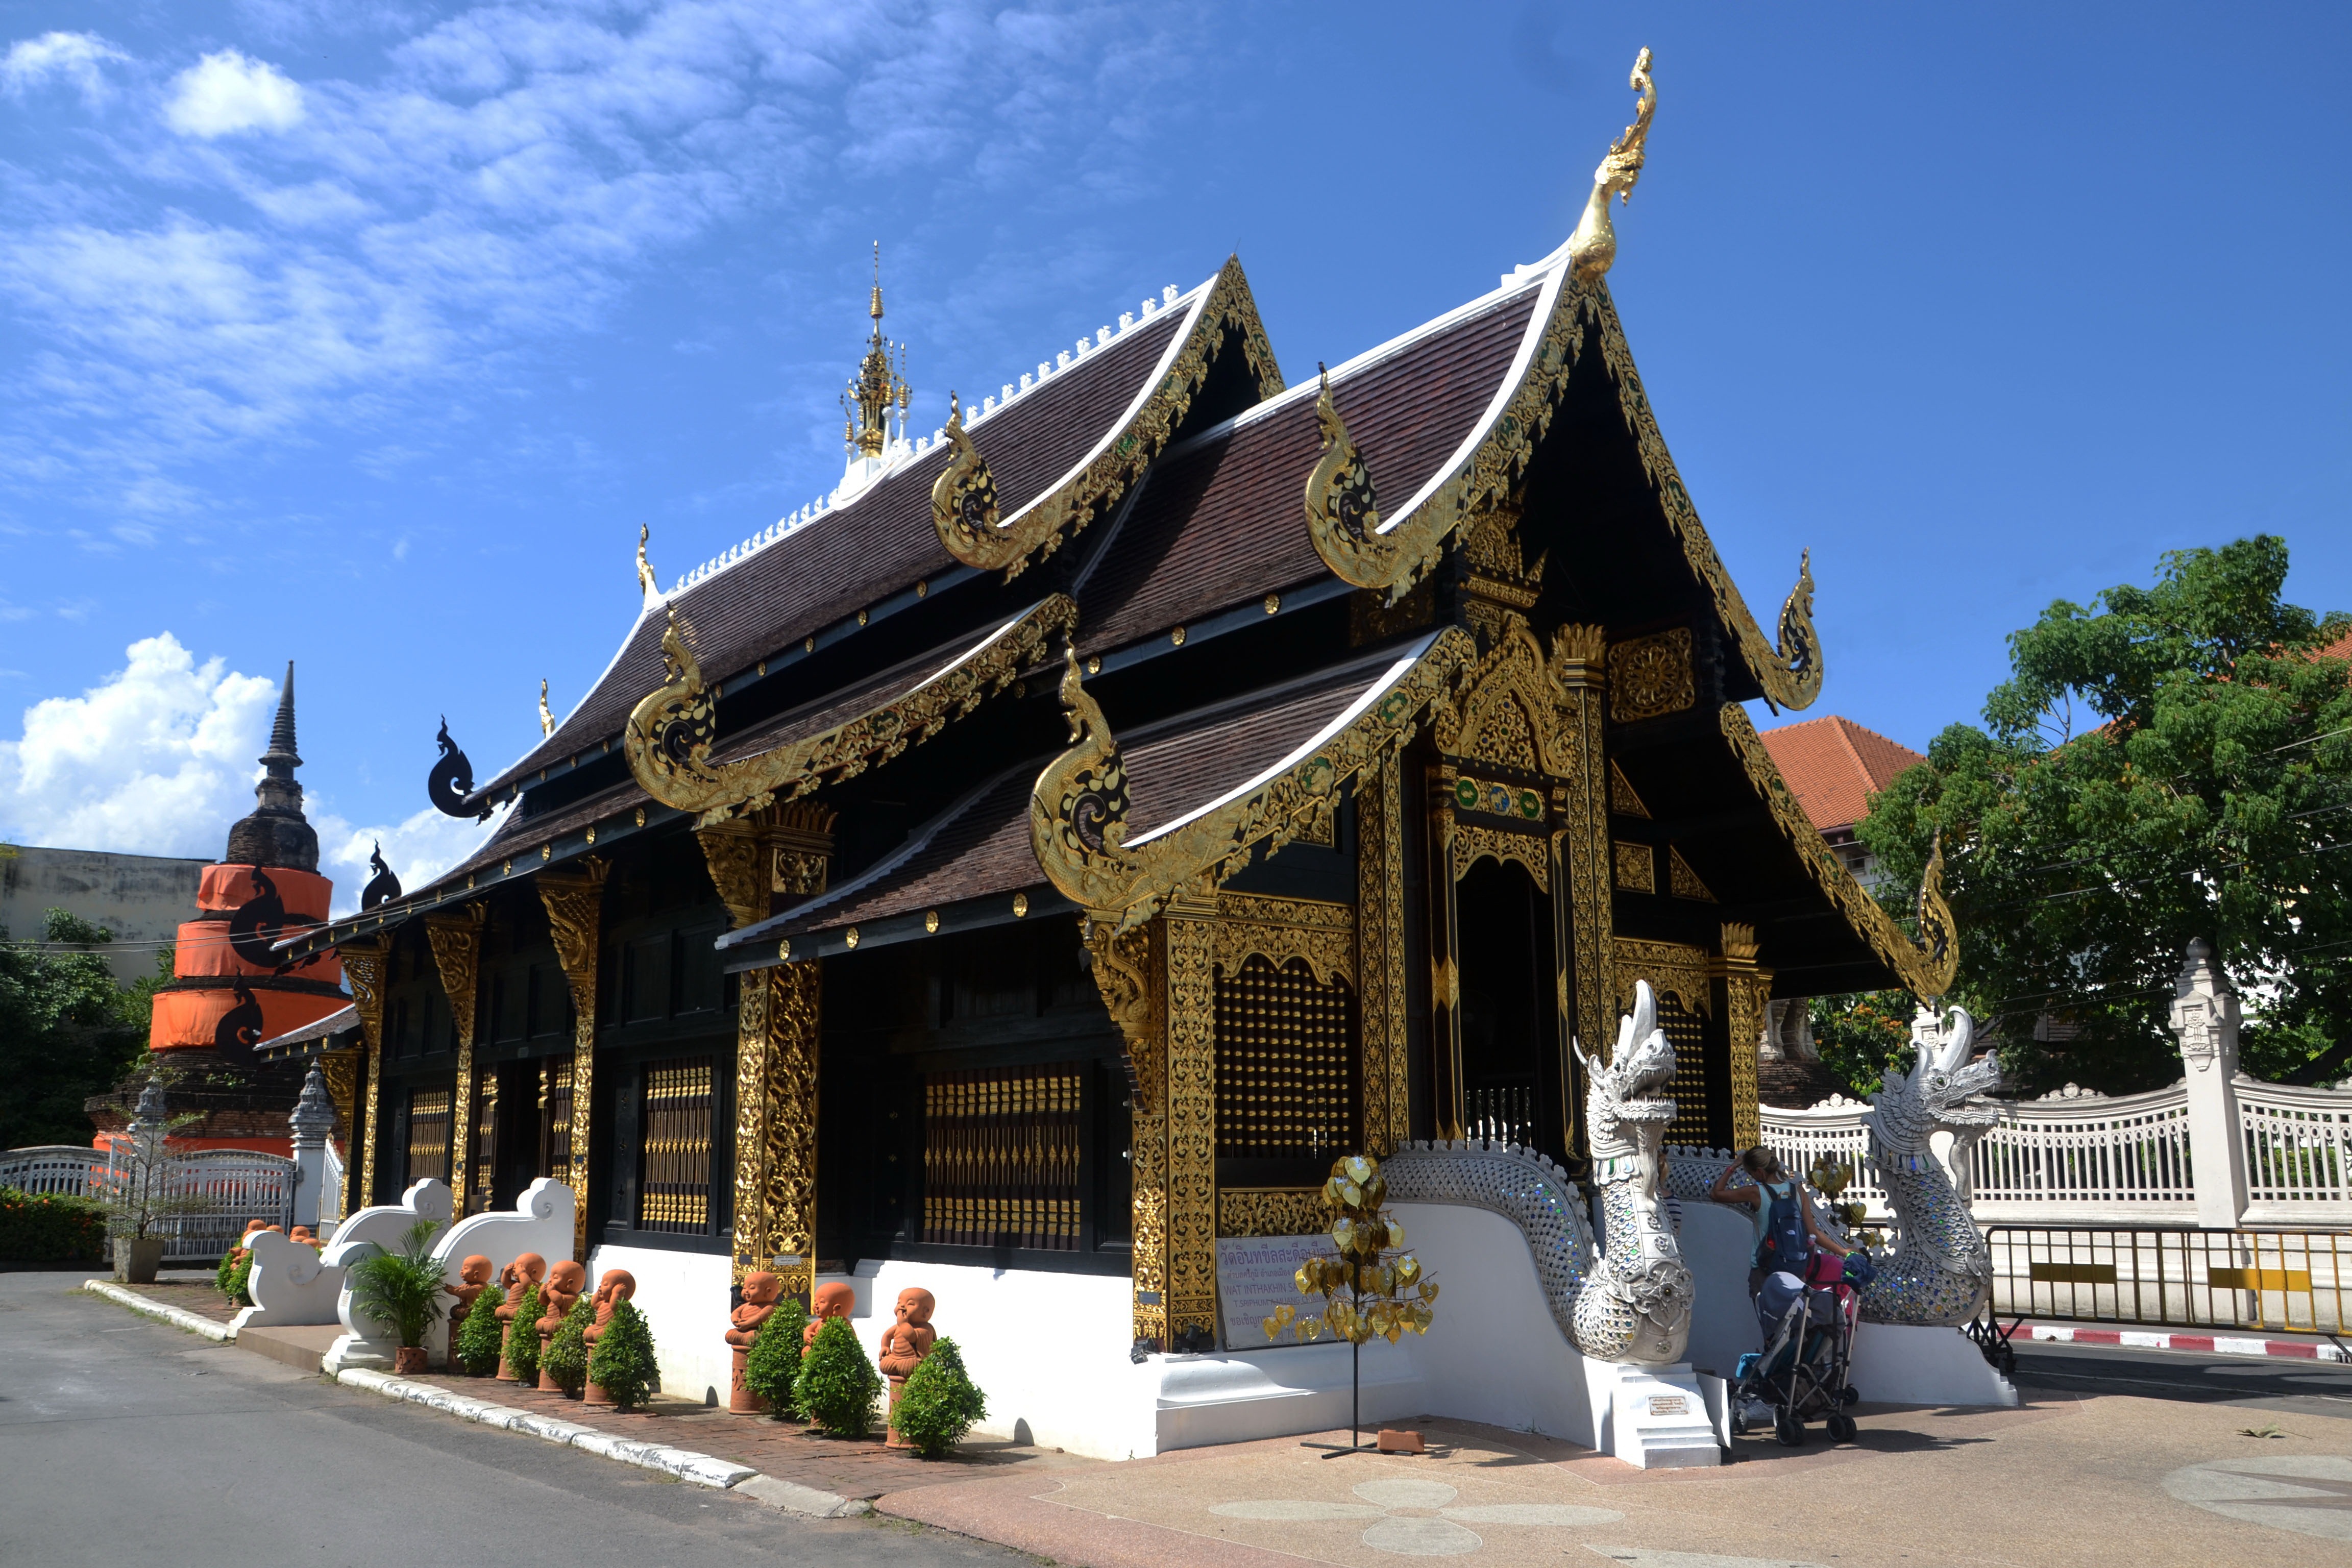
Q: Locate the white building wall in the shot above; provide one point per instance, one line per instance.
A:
(684, 1297)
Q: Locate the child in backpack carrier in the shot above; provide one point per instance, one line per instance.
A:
(1788, 1237)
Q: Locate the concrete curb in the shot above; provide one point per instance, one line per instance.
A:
(720, 1475)
(178, 1317)
(2201, 1344)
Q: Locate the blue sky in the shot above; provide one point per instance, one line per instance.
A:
(367, 336)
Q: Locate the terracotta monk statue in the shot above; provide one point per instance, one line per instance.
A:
(762, 1290)
(905, 1344)
(833, 1299)
(528, 1269)
(309, 1237)
(473, 1278)
(617, 1286)
(557, 1297)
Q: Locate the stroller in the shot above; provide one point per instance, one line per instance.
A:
(1802, 1372)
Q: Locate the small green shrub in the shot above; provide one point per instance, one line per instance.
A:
(478, 1336)
(564, 1363)
(837, 1385)
(940, 1402)
(402, 1290)
(224, 1271)
(522, 1344)
(51, 1227)
(623, 1363)
(775, 1356)
(239, 1289)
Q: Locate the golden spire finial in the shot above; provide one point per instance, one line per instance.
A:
(546, 719)
(880, 385)
(1593, 245)
(645, 580)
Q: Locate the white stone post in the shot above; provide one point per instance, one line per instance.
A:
(2205, 1017)
(313, 1118)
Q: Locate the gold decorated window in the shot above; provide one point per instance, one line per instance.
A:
(485, 1144)
(674, 1180)
(1001, 1152)
(555, 1121)
(429, 1134)
(1687, 1030)
(1286, 1063)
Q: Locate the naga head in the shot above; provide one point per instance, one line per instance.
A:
(1620, 1102)
(1944, 1090)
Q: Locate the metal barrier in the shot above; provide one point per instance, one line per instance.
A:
(2292, 1280)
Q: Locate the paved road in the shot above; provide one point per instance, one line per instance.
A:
(123, 1440)
(2260, 1383)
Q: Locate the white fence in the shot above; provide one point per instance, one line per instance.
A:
(236, 1184)
(2086, 1159)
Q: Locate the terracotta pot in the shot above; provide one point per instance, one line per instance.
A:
(408, 1360)
(135, 1262)
(593, 1394)
(897, 1388)
(740, 1398)
(506, 1372)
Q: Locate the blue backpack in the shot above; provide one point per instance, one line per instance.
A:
(1785, 1246)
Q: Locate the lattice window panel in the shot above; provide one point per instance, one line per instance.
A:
(429, 1134)
(485, 1143)
(1500, 1113)
(1687, 1030)
(1000, 1157)
(555, 1121)
(1286, 1063)
(674, 1183)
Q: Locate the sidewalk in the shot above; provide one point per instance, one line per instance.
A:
(2113, 1479)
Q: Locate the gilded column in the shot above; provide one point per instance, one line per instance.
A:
(1582, 889)
(1189, 967)
(1379, 956)
(1127, 971)
(1747, 988)
(575, 907)
(366, 965)
(1444, 960)
(785, 851)
(457, 939)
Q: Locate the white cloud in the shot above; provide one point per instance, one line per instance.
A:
(69, 56)
(224, 93)
(156, 760)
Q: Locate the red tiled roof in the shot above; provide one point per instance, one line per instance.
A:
(2340, 648)
(1835, 765)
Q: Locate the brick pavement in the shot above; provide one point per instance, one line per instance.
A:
(784, 1450)
(190, 1296)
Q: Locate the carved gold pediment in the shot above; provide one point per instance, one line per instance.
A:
(670, 733)
(964, 510)
(1077, 809)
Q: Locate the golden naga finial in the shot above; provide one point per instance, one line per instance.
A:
(880, 385)
(546, 718)
(646, 583)
(1593, 245)
(1939, 937)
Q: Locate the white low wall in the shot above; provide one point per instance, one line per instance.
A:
(684, 1297)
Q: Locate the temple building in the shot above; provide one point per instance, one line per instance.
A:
(231, 988)
(1035, 860)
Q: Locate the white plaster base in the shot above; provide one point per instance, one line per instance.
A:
(1206, 1399)
(1659, 1417)
(1894, 1365)
(683, 1296)
(290, 1284)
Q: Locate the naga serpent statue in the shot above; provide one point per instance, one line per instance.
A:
(1630, 1302)
(1941, 1272)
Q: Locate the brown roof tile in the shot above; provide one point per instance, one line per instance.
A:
(880, 542)
(1223, 519)
(1834, 766)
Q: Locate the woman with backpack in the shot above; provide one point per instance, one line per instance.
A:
(1786, 1231)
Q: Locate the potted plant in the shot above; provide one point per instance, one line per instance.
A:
(565, 1362)
(402, 1290)
(141, 1190)
(520, 1346)
(837, 1385)
(477, 1345)
(774, 1361)
(940, 1403)
(623, 1363)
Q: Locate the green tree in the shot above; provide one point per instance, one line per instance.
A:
(1860, 1036)
(67, 1031)
(2163, 764)
(623, 1364)
(774, 1361)
(837, 1385)
(564, 1363)
(478, 1337)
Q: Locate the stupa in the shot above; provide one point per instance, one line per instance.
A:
(229, 990)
